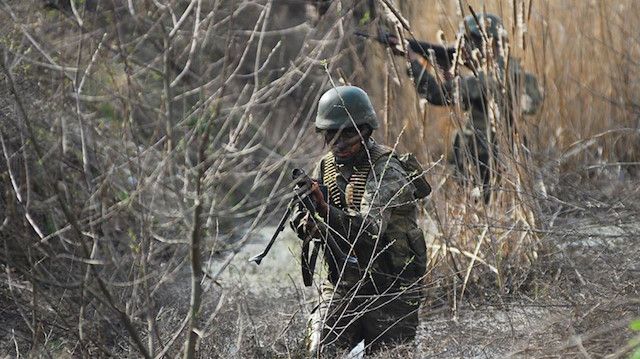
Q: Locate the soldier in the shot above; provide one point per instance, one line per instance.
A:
(372, 213)
(491, 98)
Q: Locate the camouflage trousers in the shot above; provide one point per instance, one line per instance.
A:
(475, 150)
(339, 322)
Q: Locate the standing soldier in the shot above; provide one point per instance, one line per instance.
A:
(372, 214)
(498, 91)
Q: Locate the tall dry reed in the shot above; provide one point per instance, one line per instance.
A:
(584, 56)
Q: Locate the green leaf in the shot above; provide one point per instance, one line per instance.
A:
(408, 261)
(635, 325)
(366, 17)
(636, 354)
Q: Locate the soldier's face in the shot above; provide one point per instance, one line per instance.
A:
(345, 143)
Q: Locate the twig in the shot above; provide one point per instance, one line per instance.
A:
(103, 288)
(634, 343)
(473, 260)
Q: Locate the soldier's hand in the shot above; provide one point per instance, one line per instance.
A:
(297, 220)
(390, 39)
(310, 228)
(304, 225)
(394, 43)
(318, 199)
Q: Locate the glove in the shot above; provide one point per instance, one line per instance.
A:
(302, 224)
(298, 220)
(393, 42)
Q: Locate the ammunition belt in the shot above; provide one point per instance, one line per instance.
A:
(351, 197)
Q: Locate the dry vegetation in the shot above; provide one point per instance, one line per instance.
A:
(147, 146)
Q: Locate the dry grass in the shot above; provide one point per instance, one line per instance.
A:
(588, 126)
(118, 166)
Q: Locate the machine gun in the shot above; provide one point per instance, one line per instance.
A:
(301, 197)
(444, 56)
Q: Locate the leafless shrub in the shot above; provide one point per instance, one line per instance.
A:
(145, 143)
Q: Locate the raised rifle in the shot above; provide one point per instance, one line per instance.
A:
(444, 55)
(301, 197)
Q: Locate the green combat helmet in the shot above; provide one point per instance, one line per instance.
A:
(343, 107)
(492, 24)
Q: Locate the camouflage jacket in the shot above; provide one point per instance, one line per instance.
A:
(373, 216)
(489, 99)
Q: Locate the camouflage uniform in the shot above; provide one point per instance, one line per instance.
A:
(489, 100)
(373, 216)
(370, 212)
